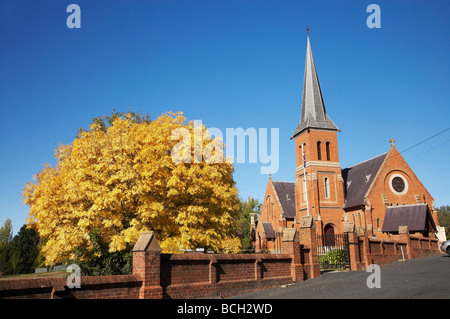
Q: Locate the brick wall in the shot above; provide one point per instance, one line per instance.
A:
(394, 164)
(157, 275)
(369, 250)
(421, 247)
(98, 287)
(220, 275)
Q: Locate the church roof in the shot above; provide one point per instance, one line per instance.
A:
(358, 178)
(313, 115)
(286, 195)
(417, 217)
(268, 230)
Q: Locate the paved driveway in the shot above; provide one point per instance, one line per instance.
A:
(427, 277)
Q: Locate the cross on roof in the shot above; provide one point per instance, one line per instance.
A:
(392, 141)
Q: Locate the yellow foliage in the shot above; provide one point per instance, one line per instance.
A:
(231, 245)
(123, 181)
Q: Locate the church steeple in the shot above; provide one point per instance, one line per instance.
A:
(313, 115)
(319, 183)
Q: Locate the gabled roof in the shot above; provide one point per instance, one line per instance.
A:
(417, 217)
(286, 195)
(268, 230)
(313, 113)
(358, 178)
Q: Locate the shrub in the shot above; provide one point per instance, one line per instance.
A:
(333, 257)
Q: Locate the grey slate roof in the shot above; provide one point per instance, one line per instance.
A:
(358, 178)
(313, 113)
(417, 217)
(286, 194)
(268, 230)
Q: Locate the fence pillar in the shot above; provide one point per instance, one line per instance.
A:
(308, 239)
(355, 252)
(354, 249)
(403, 236)
(147, 266)
(291, 246)
(213, 278)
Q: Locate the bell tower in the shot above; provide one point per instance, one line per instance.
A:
(318, 175)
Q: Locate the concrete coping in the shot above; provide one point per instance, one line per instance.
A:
(306, 222)
(290, 235)
(403, 229)
(147, 242)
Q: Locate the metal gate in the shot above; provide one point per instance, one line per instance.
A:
(333, 251)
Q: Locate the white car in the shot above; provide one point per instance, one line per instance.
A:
(446, 247)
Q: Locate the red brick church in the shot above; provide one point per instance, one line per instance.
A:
(374, 197)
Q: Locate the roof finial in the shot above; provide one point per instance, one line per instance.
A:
(307, 30)
(392, 141)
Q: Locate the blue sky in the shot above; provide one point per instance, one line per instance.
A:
(229, 64)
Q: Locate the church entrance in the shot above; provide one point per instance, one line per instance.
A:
(333, 250)
(328, 232)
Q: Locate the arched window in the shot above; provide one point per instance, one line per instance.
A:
(327, 187)
(319, 153)
(327, 145)
(269, 206)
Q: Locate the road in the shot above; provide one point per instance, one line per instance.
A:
(420, 278)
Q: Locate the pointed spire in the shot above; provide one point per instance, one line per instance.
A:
(313, 115)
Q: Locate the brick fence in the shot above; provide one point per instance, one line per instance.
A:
(95, 287)
(195, 275)
(366, 250)
(192, 275)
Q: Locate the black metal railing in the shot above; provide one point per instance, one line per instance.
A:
(333, 251)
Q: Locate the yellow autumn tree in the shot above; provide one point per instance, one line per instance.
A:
(126, 178)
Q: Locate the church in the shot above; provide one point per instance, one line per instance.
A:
(373, 197)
